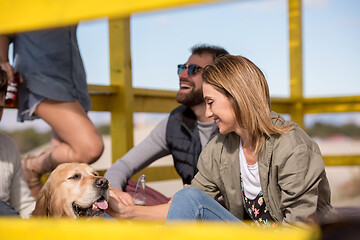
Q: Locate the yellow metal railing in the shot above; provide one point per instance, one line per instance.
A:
(63, 229)
(24, 15)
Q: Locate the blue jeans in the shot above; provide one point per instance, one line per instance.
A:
(194, 204)
(6, 210)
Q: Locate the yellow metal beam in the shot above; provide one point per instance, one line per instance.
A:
(169, 173)
(24, 15)
(159, 101)
(158, 173)
(120, 76)
(101, 102)
(101, 96)
(342, 160)
(281, 105)
(150, 100)
(103, 89)
(295, 50)
(332, 104)
(63, 229)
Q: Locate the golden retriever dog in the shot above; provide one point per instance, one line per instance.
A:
(73, 190)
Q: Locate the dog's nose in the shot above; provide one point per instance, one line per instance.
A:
(102, 183)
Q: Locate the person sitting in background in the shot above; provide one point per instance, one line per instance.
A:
(183, 134)
(53, 88)
(15, 195)
(267, 169)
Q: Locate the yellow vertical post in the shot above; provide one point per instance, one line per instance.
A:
(121, 127)
(295, 45)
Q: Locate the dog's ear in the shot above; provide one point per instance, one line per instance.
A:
(42, 201)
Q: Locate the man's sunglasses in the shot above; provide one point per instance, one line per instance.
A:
(192, 69)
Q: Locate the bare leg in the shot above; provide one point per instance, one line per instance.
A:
(74, 138)
(55, 139)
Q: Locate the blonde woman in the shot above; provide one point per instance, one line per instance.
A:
(265, 168)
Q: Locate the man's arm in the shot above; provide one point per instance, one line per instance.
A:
(140, 156)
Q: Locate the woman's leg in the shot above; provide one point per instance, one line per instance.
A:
(194, 204)
(74, 139)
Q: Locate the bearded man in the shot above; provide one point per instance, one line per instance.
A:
(183, 134)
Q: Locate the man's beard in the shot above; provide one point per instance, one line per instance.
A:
(194, 97)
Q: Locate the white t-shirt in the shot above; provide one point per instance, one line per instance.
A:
(13, 187)
(250, 176)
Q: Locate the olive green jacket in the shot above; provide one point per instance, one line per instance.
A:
(291, 169)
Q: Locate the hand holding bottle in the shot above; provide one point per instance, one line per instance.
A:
(139, 197)
(9, 71)
(13, 80)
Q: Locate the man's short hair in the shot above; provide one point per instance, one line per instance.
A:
(3, 82)
(215, 51)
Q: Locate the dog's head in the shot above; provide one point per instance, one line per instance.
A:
(73, 190)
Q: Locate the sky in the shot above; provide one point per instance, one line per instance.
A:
(256, 29)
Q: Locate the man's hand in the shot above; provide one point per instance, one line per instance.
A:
(124, 197)
(9, 71)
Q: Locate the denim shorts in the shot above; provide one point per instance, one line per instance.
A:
(33, 101)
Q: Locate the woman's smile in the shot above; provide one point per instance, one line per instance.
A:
(219, 107)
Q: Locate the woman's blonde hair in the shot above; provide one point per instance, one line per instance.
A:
(245, 86)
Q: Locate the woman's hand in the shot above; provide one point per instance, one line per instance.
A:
(125, 197)
(117, 208)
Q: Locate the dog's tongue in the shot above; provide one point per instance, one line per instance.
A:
(102, 204)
